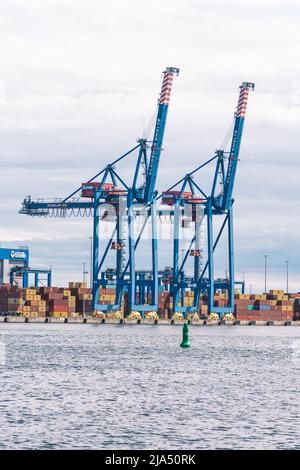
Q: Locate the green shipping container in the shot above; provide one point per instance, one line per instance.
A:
(251, 307)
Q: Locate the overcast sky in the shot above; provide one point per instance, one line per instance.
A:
(79, 81)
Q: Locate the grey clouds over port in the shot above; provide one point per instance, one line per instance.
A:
(79, 82)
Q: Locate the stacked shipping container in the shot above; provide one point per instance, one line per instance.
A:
(10, 299)
(46, 301)
(274, 305)
(77, 299)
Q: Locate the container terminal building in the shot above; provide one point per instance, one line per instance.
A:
(12, 258)
(15, 269)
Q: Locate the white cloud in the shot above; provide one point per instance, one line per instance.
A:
(79, 81)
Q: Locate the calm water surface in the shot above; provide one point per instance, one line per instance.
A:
(132, 387)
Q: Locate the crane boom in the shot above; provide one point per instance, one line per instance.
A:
(159, 130)
(235, 143)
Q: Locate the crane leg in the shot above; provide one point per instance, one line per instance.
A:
(210, 249)
(175, 289)
(96, 242)
(132, 284)
(154, 255)
(230, 259)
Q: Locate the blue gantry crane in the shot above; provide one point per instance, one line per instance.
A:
(199, 206)
(40, 275)
(108, 197)
(111, 198)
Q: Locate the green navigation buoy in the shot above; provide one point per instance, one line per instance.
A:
(185, 337)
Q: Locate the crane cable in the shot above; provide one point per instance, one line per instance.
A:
(227, 137)
(223, 147)
(150, 125)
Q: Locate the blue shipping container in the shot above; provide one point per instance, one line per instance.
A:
(265, 307)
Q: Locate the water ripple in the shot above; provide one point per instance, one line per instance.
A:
(80, 387)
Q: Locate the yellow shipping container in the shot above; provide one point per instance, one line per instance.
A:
(33, 314)
(282, 297)
(29, 297)
(30, 291)
(102, 297)
(287, 308)
(276, 292)
(243, 296)
(60, 315)
(77, 285)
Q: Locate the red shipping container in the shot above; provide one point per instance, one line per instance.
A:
(266, 316)
(34, 308)
(243, 310)
(60, 308)
(253, 315)
(53, 296)
(287, 316)
(58, 305)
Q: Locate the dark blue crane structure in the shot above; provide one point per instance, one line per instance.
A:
(200, 206)
(110, 197)
(113, 199)
(25, 271)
